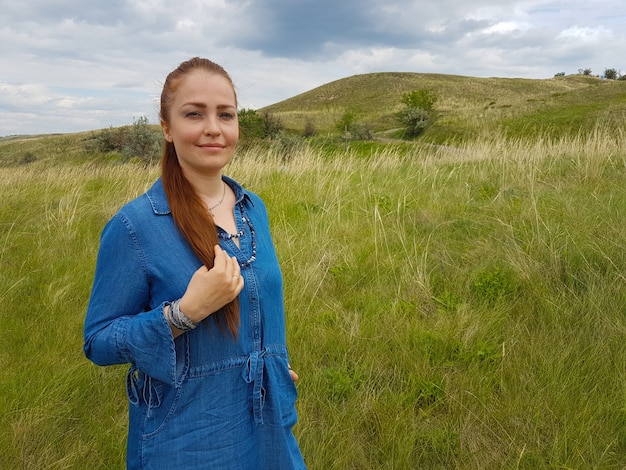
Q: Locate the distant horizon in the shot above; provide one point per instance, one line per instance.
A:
(78, 67)
(156, 123)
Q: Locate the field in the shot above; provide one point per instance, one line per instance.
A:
(449, 307)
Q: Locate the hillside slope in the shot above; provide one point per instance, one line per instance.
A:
(466, 106)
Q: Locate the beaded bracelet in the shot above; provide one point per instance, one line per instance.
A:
(178, 319)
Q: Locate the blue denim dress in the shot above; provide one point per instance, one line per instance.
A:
(203, 400)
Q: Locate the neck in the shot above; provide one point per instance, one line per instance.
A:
(208, 187)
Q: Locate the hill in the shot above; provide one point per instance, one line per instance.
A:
(467, 106)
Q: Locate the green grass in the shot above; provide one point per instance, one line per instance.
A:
(448, 307)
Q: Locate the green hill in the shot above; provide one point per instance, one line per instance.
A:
(467, 106)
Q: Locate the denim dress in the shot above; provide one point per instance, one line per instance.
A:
(203, 400)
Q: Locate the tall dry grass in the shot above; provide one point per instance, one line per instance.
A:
(447, 307)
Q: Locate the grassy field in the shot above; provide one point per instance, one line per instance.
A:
(448, 307)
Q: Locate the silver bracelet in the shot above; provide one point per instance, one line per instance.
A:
(178, 319)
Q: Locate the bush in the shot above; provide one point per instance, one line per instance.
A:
(272, 125)
(415, 120)
(309, 129)
(360, 131)
(143, 141)
(251, 124)
(139, 140)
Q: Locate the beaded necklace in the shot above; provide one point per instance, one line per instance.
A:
(241, 233)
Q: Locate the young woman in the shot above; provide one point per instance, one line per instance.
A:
(188, 291)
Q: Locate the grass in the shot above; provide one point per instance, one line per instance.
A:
(448, 307)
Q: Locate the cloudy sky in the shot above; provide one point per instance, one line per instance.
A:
(73, 65)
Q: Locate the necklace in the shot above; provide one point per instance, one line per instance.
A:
(221, 200)
(229, 236)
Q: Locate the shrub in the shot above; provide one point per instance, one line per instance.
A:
(360, 131)
(415, 120)
(143, 141)
(139, 140)
(272, 125)
(251, 124)
(309, 129)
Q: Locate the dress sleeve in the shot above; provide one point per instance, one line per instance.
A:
(120, 327)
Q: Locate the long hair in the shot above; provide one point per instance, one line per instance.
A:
(188, 210)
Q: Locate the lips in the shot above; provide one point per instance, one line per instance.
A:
(212, 146)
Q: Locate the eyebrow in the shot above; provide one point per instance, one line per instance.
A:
(204, 106)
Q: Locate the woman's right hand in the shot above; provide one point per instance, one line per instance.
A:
(211, 289)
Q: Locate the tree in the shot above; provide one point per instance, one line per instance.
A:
(345, 122)
(423, 99)
(416, 115)
(611, 74)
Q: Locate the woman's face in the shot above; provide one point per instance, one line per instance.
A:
(203, 123)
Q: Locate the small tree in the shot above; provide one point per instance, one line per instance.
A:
(611, 74)
(417, 112)
(423, 99)
(345, 122)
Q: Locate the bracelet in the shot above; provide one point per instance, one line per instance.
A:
(178, 319)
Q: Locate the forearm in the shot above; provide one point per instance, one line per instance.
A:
(144, 340)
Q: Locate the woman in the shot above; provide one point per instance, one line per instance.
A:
(188, 291)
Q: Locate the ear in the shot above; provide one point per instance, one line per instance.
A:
(166, 131)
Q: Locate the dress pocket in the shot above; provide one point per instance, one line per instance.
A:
(280, 394)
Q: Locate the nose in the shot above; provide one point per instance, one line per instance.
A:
(211, 126)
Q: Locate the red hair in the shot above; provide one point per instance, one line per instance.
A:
(188, 210)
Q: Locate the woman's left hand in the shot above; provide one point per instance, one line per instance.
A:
(293, 375)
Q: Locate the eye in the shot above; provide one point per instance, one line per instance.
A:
(193, 114)
(227, 116)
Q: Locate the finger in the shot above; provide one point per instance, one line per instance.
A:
(235, 265)
(220, 259)
(235, 272)
(293, 375)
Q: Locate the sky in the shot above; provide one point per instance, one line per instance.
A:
(71, 65)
